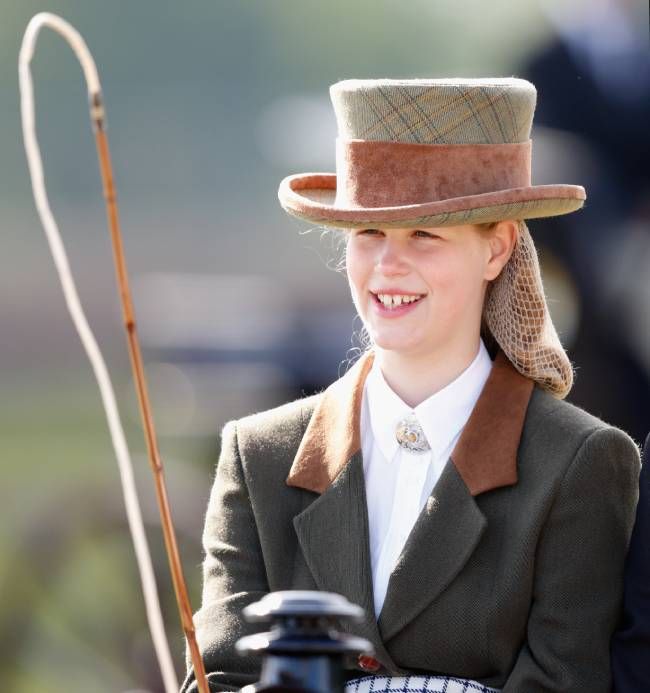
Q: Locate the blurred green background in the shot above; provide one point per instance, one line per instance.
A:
(209, 105)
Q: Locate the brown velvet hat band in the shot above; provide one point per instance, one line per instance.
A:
(373, 173)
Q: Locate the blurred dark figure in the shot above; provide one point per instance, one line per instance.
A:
(594, 98)
(631, 643)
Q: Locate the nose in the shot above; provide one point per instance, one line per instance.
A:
(390, 259)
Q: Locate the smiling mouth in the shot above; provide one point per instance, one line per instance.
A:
(392, 301)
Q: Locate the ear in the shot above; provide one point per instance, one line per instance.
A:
(502, 241)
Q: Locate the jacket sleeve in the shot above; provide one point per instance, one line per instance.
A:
(578, 583)
(233, 576)
(631, 643)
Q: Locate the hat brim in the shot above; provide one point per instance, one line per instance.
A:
(311, 197)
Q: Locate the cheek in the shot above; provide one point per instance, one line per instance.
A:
(457, 282)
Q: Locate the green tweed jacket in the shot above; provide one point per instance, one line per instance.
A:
(511, 576)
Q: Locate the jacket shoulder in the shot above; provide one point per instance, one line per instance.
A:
(278, 428)
(545, 404)
(558, 430)
(563, 416)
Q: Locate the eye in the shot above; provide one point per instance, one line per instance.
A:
(368, 232)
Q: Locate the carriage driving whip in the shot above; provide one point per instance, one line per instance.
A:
(97, 114)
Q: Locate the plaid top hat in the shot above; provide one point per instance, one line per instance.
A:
(429, 152)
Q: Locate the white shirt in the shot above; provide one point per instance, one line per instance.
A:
(398, 481)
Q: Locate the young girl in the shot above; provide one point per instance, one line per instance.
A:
(442, 483)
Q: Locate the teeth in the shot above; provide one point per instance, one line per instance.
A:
(390, 300)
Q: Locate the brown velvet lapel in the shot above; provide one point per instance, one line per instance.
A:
(334, 431)
(494, 428)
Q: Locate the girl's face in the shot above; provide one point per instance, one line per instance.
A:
(417, 290)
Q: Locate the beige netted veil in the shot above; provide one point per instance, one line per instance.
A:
(518, 319)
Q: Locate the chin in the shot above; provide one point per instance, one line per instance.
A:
(397, 343)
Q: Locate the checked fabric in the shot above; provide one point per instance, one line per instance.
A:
(415, 684)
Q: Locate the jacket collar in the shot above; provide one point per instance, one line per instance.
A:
(495, 424)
